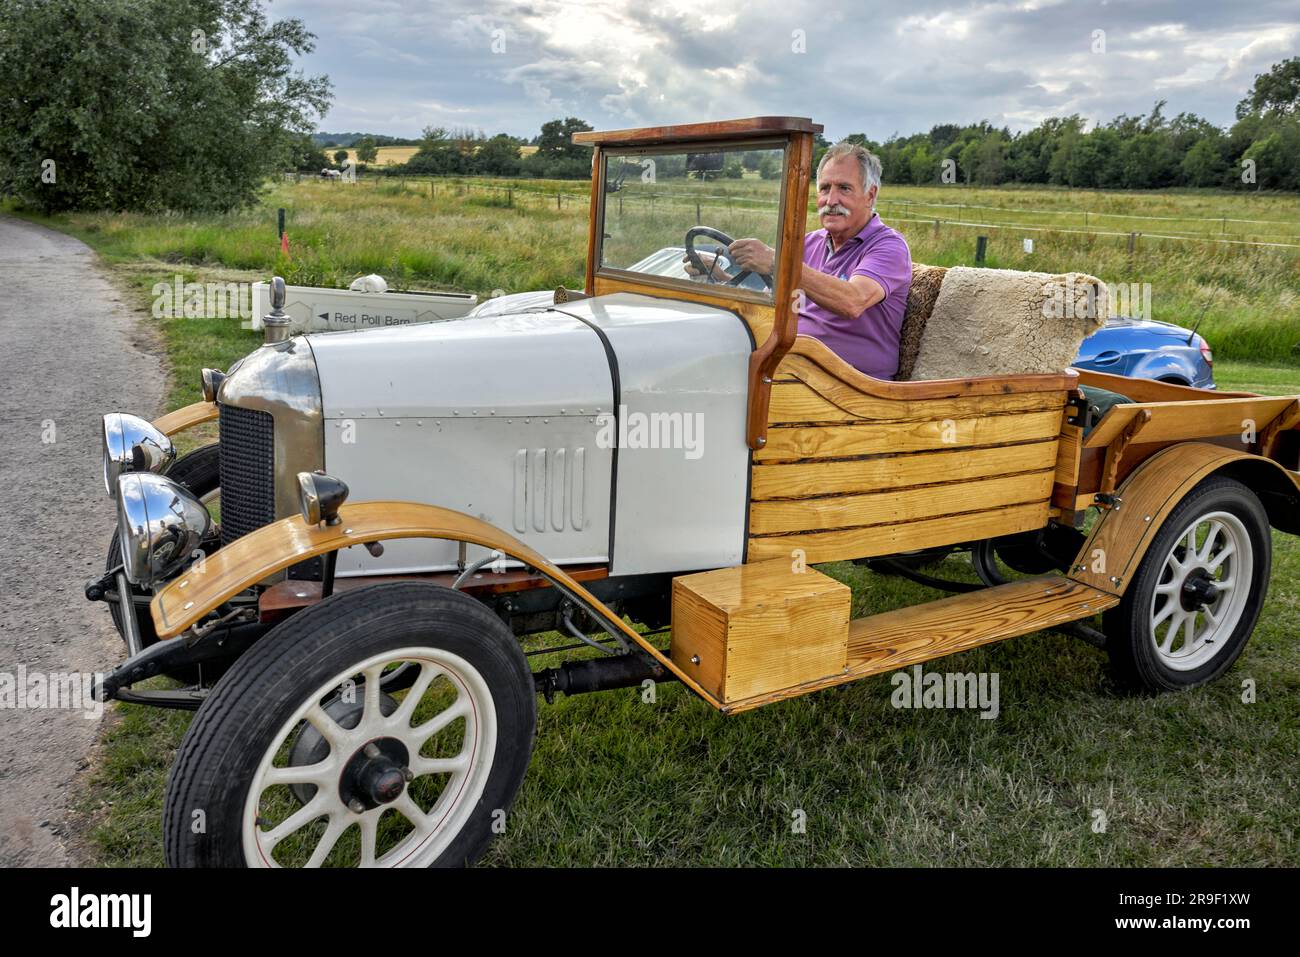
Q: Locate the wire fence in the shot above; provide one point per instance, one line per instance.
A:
(665, 197)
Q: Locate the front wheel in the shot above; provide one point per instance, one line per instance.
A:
(1198, 591)
(300, 758)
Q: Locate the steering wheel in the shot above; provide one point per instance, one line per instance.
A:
(718, 236)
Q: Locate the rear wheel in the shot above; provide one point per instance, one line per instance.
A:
(300, 758)
(1197, 595)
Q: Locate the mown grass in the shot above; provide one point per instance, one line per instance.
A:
(1196, 779)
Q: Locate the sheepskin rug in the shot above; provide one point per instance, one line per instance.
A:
(989, 322)
(926, 282)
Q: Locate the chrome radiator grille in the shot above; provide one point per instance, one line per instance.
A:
(247, 471)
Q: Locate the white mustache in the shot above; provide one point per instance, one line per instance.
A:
(833, 210)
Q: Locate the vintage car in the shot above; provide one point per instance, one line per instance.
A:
(388, 510)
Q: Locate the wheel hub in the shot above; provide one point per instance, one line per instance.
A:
(376, 774)
(1198, 590)
(310, 748)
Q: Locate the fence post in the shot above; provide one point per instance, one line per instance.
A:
(1132, 243)
(510, 196)
(620, 204)
(981, 247)
(697, 212)
(557, 200)
(936, 228)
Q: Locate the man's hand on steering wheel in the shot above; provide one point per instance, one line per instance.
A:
(754, 255)
(762, 258)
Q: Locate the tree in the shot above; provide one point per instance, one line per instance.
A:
(922, 164)
(340, 157)
(157, 104)
(1203, 165)
(556, 140)
(498, 156)
(1277, 91)
(367, 151)
(305, 155)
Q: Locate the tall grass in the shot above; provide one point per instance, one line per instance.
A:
(483, 235)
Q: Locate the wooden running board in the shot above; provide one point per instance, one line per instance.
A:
(909, 636)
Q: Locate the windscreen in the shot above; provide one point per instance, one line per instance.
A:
(673, 214)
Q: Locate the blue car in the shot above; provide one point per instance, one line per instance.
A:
(1147, 349)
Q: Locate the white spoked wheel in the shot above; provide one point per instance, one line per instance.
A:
(1202, 591)
(398, 777)
(1197, 593)
(387, 726)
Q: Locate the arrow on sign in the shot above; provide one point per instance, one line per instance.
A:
(324, 315)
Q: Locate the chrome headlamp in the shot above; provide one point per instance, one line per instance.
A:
(133, 445)
(320, 497)
(160, 524)
(212, 379)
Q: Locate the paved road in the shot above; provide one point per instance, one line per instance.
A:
(70, 350)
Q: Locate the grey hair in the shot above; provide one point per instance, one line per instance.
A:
(868, 162)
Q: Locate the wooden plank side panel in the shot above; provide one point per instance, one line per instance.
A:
(890, 508)
(797, 402)
(813, 362)
(840, 545)
(785, 443)
(844, 476)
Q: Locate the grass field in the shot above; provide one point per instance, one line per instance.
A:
(384, 155)
(1196, 779)
(462, 235)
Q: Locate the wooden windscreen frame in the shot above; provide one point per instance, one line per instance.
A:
(799, 135)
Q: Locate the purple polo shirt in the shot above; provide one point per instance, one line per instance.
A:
(868, 342)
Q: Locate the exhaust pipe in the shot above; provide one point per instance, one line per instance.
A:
(599, 674)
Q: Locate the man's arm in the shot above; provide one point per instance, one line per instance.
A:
(848, 298)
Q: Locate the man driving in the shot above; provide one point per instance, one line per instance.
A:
(856, 270)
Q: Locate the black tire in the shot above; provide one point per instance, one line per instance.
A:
(249, 710)
(1131, 640)
(200, 472)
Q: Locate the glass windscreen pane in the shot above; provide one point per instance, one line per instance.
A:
(659, 204)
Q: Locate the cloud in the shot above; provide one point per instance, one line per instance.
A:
(876, 67)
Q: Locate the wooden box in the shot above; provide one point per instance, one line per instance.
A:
(759, 628)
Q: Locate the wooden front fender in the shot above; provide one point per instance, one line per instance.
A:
(185, 417)
(272, 548)
(1110, 557)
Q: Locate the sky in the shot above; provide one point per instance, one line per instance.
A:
(876, 68)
